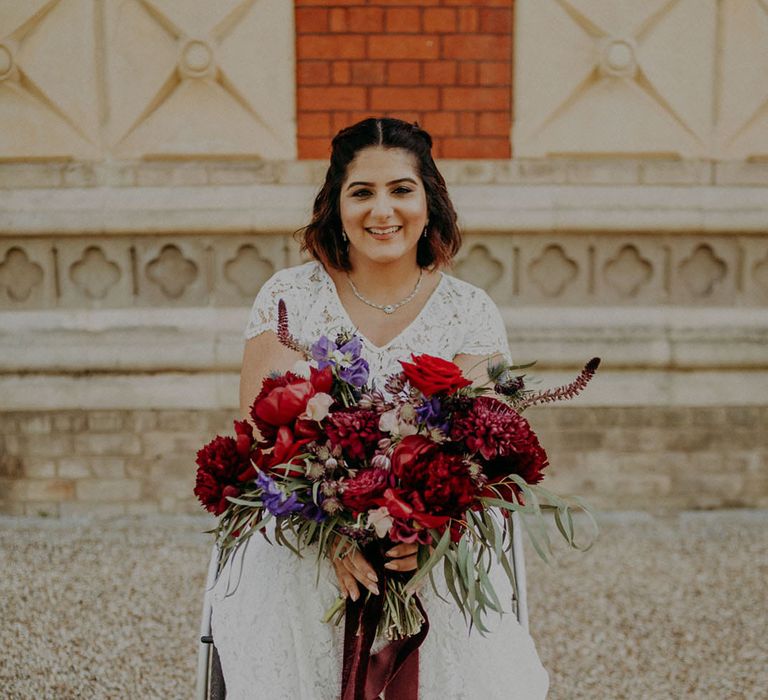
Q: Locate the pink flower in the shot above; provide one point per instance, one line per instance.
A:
(380, 520)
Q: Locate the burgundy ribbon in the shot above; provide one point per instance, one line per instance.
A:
(395, 668)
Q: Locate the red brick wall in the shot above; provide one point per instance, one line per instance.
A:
(445, 63)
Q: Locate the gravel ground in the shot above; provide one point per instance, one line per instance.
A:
(665, 607)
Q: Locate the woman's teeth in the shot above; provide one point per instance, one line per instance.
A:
(383, 231)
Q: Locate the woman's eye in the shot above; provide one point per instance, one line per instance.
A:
(361, 193)
(403, 190)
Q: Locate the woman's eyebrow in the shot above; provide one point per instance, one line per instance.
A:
(391, 182)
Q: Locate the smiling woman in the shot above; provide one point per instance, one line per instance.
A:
(383, 227)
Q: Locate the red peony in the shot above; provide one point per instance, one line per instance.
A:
(410, 450)
(284, 452)
(221, 470)
(433, 375)
(361, 492)
(244, 433)
(356, 431)
(442, 480)
(284, 398)
(411, 521)
(502, 437)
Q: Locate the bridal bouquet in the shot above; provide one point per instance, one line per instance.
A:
(426, 458)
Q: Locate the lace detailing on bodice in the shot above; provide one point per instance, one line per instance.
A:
(457, 318)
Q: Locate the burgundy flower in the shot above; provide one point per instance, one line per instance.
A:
(244, 436)
(360, 493)
(502, 438)
(356, 431)
(221, 470)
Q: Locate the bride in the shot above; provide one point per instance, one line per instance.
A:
(383, 229)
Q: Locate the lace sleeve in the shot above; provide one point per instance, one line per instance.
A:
(485, 332)
(264, 310)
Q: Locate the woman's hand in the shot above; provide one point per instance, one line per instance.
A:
(403, 557)
(352, 568)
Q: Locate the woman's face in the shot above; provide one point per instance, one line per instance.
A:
(383, 205)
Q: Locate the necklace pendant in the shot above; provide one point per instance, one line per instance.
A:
(388, 309)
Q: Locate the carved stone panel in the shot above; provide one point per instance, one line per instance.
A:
(243, 264)
(742, 117)
(49, 105)
(703, 272)
(95, 274)
(178, 272)
(756, 269)
(614, 77)
(27, 279)
(553, 271)
(191, 77)
(488, 262)
(628, 271)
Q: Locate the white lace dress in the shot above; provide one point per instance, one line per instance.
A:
(266, 606)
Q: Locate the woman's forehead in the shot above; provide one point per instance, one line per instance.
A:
(378, 164)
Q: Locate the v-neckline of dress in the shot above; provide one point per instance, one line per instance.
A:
(377, 348)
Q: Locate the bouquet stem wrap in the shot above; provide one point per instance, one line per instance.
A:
(395, 667)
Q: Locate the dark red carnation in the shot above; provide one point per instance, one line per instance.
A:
(221, 470)
(360, 493)
(502, 438)
(433, 375)
(356, 431)
(443, 483)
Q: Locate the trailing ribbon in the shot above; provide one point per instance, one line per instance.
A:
(395, 668)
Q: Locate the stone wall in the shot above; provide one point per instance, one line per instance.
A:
(140, 462)
(154, 165)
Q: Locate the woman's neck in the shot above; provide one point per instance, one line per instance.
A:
(381, 282)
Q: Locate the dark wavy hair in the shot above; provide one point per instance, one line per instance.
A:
(322, 236)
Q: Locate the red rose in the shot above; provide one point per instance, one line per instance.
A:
(433, 375)
(361, 492)
(409, 451)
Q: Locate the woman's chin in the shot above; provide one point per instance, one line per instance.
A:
(384, 252)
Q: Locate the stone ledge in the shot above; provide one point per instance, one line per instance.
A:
(219, 390)
(286, 207)
(195, 340)
(540, 171)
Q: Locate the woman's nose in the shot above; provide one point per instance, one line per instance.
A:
(382, 207)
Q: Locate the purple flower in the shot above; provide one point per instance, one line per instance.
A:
(344, 356)
(274, 498)
(322, 351)
(356, 374)
(313, 511)
(431, 413)
(352, 347)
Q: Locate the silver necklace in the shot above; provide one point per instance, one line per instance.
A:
(387, 308)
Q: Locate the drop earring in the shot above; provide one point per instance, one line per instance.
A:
(425, 232)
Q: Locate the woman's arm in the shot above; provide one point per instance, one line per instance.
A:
(475, 367)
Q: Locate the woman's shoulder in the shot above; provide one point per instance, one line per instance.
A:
(299, 277)
(462, 292)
